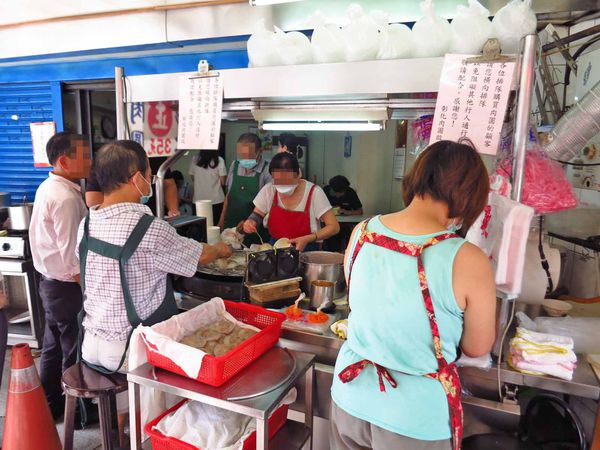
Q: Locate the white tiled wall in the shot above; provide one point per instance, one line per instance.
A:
(587, 197)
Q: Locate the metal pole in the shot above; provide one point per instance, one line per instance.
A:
(520, 139)
(160, 182)
(120, 97)
(521, 133)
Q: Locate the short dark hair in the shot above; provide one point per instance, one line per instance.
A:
(339, 183)
(453, 173)
(284, 161)
(290, 141)
(208, 158)
(61, 144)
(177, 175)
(250, 138)
(116, 162)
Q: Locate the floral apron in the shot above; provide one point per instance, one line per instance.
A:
(447, 374)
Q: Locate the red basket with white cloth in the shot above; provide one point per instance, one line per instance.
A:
(213, 370)
(161, 442)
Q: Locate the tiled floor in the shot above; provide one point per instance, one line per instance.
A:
(88, 439)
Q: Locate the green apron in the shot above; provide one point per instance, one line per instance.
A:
(240, 203)
(167, 308)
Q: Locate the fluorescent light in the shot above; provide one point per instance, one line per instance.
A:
(270, 2)
(322, 126)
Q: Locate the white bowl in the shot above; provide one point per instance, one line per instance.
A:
(556, 308)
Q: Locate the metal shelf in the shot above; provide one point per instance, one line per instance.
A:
(258, 406)
(292, 436)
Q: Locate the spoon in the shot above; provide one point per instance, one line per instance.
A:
(260, 237)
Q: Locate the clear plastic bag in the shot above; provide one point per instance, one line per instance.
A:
(361, 35)
(263, 47)
(470, 29)
(545, 187)
(396, 42)
(585, 331)
(513, 21)
(328, 44)
(294, 47)
(431, 33)
(421, 132)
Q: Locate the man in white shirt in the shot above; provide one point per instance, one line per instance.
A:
(57, 212)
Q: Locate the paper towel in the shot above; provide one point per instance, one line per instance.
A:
(204, 209)
(535, 280)
(213, 235)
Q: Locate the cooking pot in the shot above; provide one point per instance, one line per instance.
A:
(20, 216)
(328, 266)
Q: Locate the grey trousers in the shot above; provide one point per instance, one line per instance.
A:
(350, 433)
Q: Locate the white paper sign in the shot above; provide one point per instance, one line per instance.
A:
(200, 106)
(399, 162)
(41, 132)
(472, 102)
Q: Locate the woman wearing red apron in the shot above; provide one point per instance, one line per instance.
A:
(294, 207)
(417, 292)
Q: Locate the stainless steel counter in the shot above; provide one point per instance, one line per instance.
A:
(482, 384)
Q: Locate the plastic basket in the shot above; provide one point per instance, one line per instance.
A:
(161, 442)
(214, 370)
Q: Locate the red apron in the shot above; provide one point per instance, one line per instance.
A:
(447, 374)
(289, 224)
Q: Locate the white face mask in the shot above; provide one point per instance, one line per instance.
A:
(286, 189)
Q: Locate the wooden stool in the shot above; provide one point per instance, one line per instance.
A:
(79, 381)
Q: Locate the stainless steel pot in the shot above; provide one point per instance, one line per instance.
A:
(20, 216)
(326, 266)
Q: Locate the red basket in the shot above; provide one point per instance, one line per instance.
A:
(217, 370)
(162, 442)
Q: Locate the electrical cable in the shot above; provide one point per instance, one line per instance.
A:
(567, 79)
(544, 261)
(501, 350)
(577, 164)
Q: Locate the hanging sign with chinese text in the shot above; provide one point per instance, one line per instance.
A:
(200, 107)
(472, 102)
(154, 126)
(41, 132)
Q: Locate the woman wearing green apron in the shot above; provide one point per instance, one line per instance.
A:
(126, 256)
(247, 176)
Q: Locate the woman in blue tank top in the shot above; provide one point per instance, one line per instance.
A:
(417, 291)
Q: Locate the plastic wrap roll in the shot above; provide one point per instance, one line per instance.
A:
(213, 235)
(204, 209)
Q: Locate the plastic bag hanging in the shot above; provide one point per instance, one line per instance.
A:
(431, 33)
(470, 29)
(512, 22)
(361, 35)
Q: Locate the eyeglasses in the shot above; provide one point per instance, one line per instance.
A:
(153, 180)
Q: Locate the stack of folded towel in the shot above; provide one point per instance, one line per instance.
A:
(542, 354)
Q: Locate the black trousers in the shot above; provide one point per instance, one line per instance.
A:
(62, 302)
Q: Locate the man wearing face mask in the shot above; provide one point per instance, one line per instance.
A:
(57, 211)
(247, 176)
(292, 208)
(126, 255)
